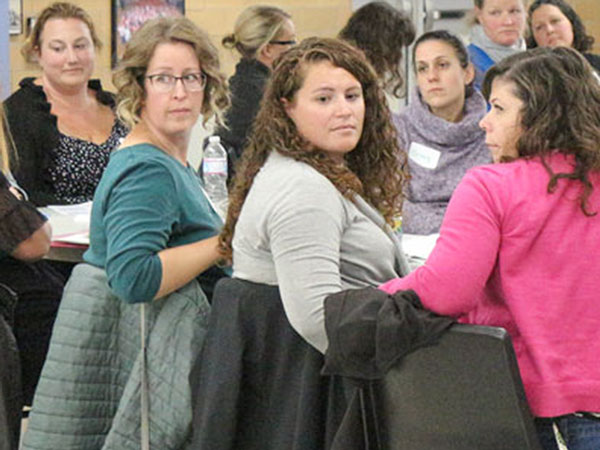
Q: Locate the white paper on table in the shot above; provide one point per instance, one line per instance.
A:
(74, 238)
(70, 223)
(419, 246)
(80, 212)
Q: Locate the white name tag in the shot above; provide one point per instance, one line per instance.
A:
(424, 156)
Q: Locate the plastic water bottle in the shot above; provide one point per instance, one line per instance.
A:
(214, 172)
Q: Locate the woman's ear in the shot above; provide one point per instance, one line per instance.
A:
(265, 55)
(36, 55)
(286, 104)
(478, 13)
(469, 74)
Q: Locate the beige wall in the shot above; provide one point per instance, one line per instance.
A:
(311, 17)
(589, 11)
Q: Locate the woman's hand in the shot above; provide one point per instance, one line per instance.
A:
(14, 191)
(182, 264)
(35, 246)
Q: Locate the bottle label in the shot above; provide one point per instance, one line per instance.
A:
(214, 166)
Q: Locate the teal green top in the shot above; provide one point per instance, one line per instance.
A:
(146, 201)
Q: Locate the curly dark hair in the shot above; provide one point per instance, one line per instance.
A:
(561, 110)
(382, 32)
(375, 169)
(582, 42)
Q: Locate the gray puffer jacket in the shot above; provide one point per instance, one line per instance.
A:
(88, 396)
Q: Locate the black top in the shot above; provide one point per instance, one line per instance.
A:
(36, 136)
(18, 219)
(247, 86)
(594, 60)
(77, 165)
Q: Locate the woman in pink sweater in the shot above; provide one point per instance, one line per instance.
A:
(519, 246)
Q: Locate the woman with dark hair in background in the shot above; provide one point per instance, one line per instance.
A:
(518, 247)
(260, 35)
(382, 32)
(555, 22)
(439, 129)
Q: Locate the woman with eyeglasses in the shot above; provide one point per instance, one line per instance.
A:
(151, 221)
(153, 232)
(260, 35)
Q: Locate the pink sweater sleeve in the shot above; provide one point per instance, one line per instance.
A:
(465, 253)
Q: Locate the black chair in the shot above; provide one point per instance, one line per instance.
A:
(463, 393)
(257, 383)
(11, 404)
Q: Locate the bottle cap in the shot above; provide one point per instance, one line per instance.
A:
(214, 138)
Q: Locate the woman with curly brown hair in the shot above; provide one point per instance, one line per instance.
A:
(319, 184)
(518, 247)
(382, 32)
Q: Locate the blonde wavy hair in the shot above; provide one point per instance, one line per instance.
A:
(58, 10)
(6, 143)
(254, 28)
(129, 75)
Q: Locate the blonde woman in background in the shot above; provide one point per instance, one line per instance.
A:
(497, 33)
(260, 35)
(63, 123)
(64, 127)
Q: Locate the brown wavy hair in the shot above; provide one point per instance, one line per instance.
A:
(382, 32)
(581, 40)
(375, 169)
(561, 112)
(6, 143)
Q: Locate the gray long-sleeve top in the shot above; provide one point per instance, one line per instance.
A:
(297, 231)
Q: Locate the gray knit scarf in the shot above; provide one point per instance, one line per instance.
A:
(495, 51)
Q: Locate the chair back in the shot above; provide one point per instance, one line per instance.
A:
(257, 383)
(463, 393)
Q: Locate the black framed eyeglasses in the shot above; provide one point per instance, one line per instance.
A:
(290, 42)
(164, 82)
